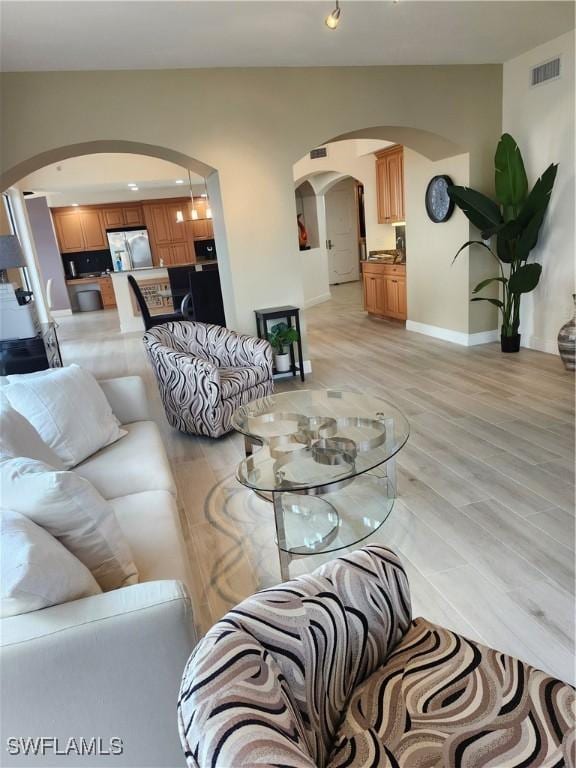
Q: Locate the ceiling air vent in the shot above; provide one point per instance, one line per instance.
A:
(318, 152)
(550, 70)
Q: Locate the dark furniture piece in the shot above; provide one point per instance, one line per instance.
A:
(29, 355)
(197, 294)
(151, 320)
(292, 316)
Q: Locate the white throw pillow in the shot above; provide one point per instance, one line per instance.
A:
(19, 438)
(36, 571)
(72, 511)
(68, 409)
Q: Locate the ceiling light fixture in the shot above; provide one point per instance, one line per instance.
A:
(179, 181)
(180, 217)
(133, 189)
(74, 205)
(208, 208)
(131, 184)
(333, 19)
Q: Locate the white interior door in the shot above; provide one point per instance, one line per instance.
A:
(342, 233)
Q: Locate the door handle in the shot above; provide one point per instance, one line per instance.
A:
(329, 244)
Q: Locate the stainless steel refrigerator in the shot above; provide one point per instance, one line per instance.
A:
(129, 248)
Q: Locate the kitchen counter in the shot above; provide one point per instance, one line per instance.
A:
(83, 280)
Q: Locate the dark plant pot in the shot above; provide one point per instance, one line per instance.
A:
(510, 343)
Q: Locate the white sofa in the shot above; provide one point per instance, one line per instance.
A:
(109, 666)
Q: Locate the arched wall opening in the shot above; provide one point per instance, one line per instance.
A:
(121, 148)
(437, 290)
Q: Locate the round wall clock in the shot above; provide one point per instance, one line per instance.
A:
(439, 206)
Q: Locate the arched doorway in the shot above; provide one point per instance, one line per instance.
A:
(205, 175)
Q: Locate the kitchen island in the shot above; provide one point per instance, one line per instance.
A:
(157, 289)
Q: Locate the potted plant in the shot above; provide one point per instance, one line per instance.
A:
(514, 219)
(281, 336)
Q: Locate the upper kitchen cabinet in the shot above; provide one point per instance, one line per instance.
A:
(79, 229)
(123, 216)
(390, 184)
(156, 218)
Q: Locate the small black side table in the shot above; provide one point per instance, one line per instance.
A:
(292, 316)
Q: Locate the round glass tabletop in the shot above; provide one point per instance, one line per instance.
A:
(314, 438)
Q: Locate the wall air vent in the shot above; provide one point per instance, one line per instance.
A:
(318, 152)
(541, 74)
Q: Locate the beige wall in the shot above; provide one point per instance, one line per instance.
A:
(541, 120)
(438, 291)
(252, 124)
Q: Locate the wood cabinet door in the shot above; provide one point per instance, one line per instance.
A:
(107, 292)
(382, 191)
(181, 254)
(392, 302)
(159, 224)
(133, 216)
(162, 255)
(201, 228)
(113, 217)
(177, 228)
(374, 294)
(209, 228)
(395, 174)
(93, 230)
(68, 231)
(402, 301)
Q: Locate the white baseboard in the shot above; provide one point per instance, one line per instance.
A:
(60, 312)
(541, 345)
(455, 337)
(317, 300)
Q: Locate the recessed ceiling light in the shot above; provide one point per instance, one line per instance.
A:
(134, 189)
(74, 205)
(179, 181)
(131, 184)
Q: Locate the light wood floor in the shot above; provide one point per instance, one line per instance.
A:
(484, 521)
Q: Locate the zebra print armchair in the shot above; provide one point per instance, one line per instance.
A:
(329, 670)
(205, 372)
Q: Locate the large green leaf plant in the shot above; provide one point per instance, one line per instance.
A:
(514, 220)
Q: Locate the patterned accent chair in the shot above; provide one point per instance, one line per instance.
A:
(329, 670)
(205, 372)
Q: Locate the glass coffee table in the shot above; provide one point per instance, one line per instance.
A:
(326, 460)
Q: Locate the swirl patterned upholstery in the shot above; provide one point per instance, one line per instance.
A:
(329, 670)
(205, 372)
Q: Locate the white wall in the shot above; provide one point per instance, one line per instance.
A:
(541, 119)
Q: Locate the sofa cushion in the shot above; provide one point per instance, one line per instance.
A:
(236, 380)
(68, 409)
(19, 438)
(70, 509)
(134, 464)
(443, 700)
(151, 523)
(36, 570)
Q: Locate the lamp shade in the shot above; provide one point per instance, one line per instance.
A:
(11, 254)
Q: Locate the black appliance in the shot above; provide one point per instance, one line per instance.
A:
(205, 249)
(201, 284)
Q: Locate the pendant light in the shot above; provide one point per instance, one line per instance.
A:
(333, 19)
(208, 207)
(180, 216)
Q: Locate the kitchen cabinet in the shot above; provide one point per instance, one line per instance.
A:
(133, 216)
(79, 229)
(123, 216)
(107, 292)
(113, 217)
(170, 240)
(390, 184)
(385, 289)
(156, 218)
